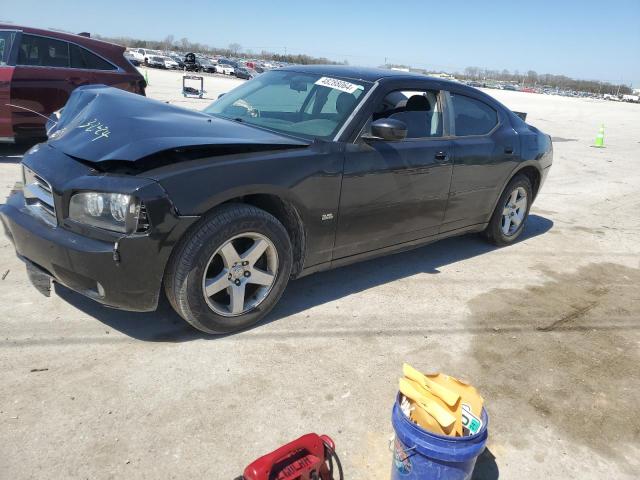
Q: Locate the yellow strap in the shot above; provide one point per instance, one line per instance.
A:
(442, 416)
(448, 396)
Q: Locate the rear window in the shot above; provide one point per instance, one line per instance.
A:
(472, 117)
(6, 40)
(43, 52)
(83, 58)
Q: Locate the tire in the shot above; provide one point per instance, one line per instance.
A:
(496, 230)
(201, 261)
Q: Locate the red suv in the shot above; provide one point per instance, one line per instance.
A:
(40, 68)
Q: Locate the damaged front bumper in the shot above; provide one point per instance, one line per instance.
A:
(125, 272)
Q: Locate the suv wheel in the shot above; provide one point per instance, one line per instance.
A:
(228, 273)
(510, 216)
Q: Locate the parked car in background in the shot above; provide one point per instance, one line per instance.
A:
(132, 58)
(170, 63)
(226, 61)
(155, 61)
(179, 61)
(299, 170)
(245, 73)
(40, 68)
(135, 53)
(206, 65)
(143, 54)
(225, 69)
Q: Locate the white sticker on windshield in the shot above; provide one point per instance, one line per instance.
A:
(339, 84)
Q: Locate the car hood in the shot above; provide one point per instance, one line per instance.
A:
(100, 124)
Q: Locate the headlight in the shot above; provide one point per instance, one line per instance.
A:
(111, 211)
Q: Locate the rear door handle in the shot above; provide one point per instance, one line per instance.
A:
(508, 150)
(441, 156)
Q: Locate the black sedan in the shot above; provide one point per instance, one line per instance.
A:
(178, 60)
(244, 73)
(206, 65)
(299, 170)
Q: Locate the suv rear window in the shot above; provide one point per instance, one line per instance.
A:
(472, 117)
(43, 51)
(83, 58)
(6, 40)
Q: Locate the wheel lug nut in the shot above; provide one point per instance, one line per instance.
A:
(247, 274)
(238, 282)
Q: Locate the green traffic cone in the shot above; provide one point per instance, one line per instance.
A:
(600, 138)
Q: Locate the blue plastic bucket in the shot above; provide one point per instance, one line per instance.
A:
(419, 454)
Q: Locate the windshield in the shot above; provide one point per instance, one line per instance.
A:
(300, 104)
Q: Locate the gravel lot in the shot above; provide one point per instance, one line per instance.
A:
(547, 329)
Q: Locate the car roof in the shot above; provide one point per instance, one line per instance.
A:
(367, 74)
(70, 37)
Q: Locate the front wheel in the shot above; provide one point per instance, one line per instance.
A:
(510, 216)
(228, 273)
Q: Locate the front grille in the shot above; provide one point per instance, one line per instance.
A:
(143, 219)
(38, 196)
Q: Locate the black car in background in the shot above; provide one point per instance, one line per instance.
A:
(226, 61)
(178, 60)
(245, 73)
(206, 65)
(299, 170)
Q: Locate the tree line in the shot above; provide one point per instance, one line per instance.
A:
(525, 79)
(532, 79)
(233, 50)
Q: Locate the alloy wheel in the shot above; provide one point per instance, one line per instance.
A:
(240, 274)
(514, 211)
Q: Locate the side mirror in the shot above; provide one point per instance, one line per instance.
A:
(388, 129)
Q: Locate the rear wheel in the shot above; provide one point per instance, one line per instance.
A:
(510, 216)
(230, 272)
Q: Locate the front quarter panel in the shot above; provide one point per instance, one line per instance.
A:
(308, 178)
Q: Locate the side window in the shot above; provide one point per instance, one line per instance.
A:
(83, 58)
(418, 109)
(6, 40)
(472, 117)
(43, 52)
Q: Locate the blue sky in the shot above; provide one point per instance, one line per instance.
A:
(583, 39)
